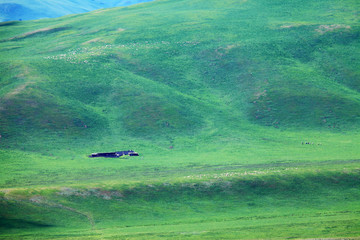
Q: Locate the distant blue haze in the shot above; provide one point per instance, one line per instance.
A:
(36, 9)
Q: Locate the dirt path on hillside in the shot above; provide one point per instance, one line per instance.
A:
(42, 201)
(87, 215)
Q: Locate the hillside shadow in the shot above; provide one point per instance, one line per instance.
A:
(7, 223)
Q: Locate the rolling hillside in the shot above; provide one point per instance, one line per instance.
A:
(180, 73)
(245, 115)
(11, 10)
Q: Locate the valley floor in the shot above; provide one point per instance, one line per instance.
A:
(301, 203)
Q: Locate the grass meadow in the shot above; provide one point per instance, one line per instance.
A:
(245, 115)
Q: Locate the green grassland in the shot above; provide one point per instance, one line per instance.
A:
(218, 97)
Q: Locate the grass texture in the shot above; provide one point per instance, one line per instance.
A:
(245, 115)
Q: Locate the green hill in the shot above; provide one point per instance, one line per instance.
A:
(245, 115)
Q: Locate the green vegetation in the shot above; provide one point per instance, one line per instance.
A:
(220, 98)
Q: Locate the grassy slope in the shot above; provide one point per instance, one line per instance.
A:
(235, 87)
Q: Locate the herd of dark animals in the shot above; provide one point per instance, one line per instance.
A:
(115, 154)
(309, 143)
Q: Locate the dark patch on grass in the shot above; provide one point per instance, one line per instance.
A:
(9, 23)
(7, 223)
(39, 32)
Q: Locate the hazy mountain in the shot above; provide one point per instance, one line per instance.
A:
(36, 9)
